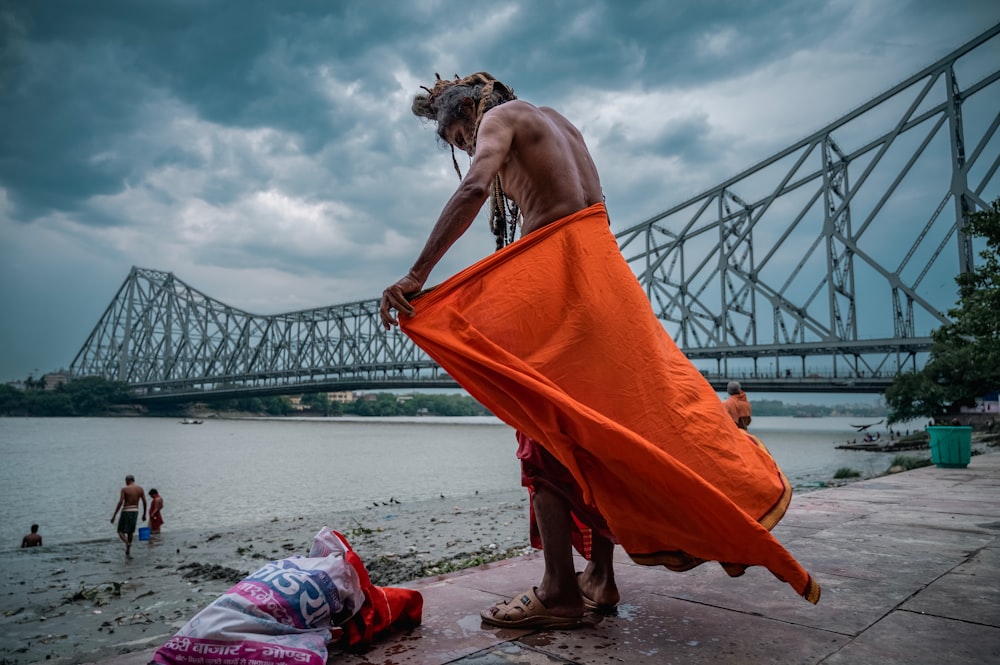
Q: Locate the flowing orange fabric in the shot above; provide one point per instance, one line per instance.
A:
(556, 337)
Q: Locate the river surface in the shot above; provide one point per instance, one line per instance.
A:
(65, 473)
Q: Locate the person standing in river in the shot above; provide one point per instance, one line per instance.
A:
(128, 503)
(155, 511)
(737, 405)
(33, 539)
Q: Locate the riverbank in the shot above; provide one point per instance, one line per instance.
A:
(917, 441)
(85, 601)
(907, 562)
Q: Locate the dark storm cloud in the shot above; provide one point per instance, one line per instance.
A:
(84, 74)
(265, 151)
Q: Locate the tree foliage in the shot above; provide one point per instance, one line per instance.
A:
(320, 403)
(389, 404)
(272, 406)
(86, 396)
(964, 362)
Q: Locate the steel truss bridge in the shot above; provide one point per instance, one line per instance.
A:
(823, 268)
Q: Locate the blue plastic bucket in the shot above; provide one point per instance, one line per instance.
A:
(144, 533)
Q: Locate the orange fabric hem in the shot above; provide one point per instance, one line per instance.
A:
(557, 338)
(771, 518)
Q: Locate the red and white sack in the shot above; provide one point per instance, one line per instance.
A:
(283, 613)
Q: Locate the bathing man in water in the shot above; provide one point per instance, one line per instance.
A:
(128, 503)
(33, 539)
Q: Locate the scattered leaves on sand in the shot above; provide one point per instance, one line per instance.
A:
(359, 529)
(200, 571)
(133, 619)
(52, 638)
(388, 569)
(99, 594)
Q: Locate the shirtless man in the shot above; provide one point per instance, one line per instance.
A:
(546, 170)
(33, 539)
(128, 503)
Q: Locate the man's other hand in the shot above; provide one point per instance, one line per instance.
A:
(395, 297)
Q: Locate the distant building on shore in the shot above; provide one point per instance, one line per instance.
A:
(53, 380)
(988, 403)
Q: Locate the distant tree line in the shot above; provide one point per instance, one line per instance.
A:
(380, 404)
(88, 396)
(768, 407)
(95, 396)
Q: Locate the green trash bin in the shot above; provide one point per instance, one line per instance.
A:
(951, 446)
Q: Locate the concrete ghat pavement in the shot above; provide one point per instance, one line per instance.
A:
(909, 565)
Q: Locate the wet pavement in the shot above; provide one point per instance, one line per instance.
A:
(909, 565)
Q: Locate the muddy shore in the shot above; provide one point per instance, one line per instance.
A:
(82, 602)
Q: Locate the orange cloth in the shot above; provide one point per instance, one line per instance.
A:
(556, 337)
(738, 407)
(385, 608)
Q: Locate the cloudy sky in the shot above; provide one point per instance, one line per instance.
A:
(264, 152)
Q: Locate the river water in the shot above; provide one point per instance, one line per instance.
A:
(65, 473)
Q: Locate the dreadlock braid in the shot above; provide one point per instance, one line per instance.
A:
(441, 106)
(504, 215)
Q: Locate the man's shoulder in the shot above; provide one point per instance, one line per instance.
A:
(516, 105)
(519, 115)
(519, 107)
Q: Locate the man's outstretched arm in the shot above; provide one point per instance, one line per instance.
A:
(496, 135)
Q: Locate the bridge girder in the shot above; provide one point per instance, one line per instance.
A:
(822, 266)
(832, 239)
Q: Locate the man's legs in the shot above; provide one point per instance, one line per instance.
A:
(126, 527)
(556, 505)
(597, 581)
(127, 539)
(560, 589)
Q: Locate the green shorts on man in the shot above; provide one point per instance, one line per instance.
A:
(127, 521)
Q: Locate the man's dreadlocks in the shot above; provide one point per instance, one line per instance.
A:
(442, 105)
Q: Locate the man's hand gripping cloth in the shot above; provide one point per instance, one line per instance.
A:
(556, 337)
(289, 610)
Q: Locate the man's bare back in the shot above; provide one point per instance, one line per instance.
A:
(547, 169)
(131, 494)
